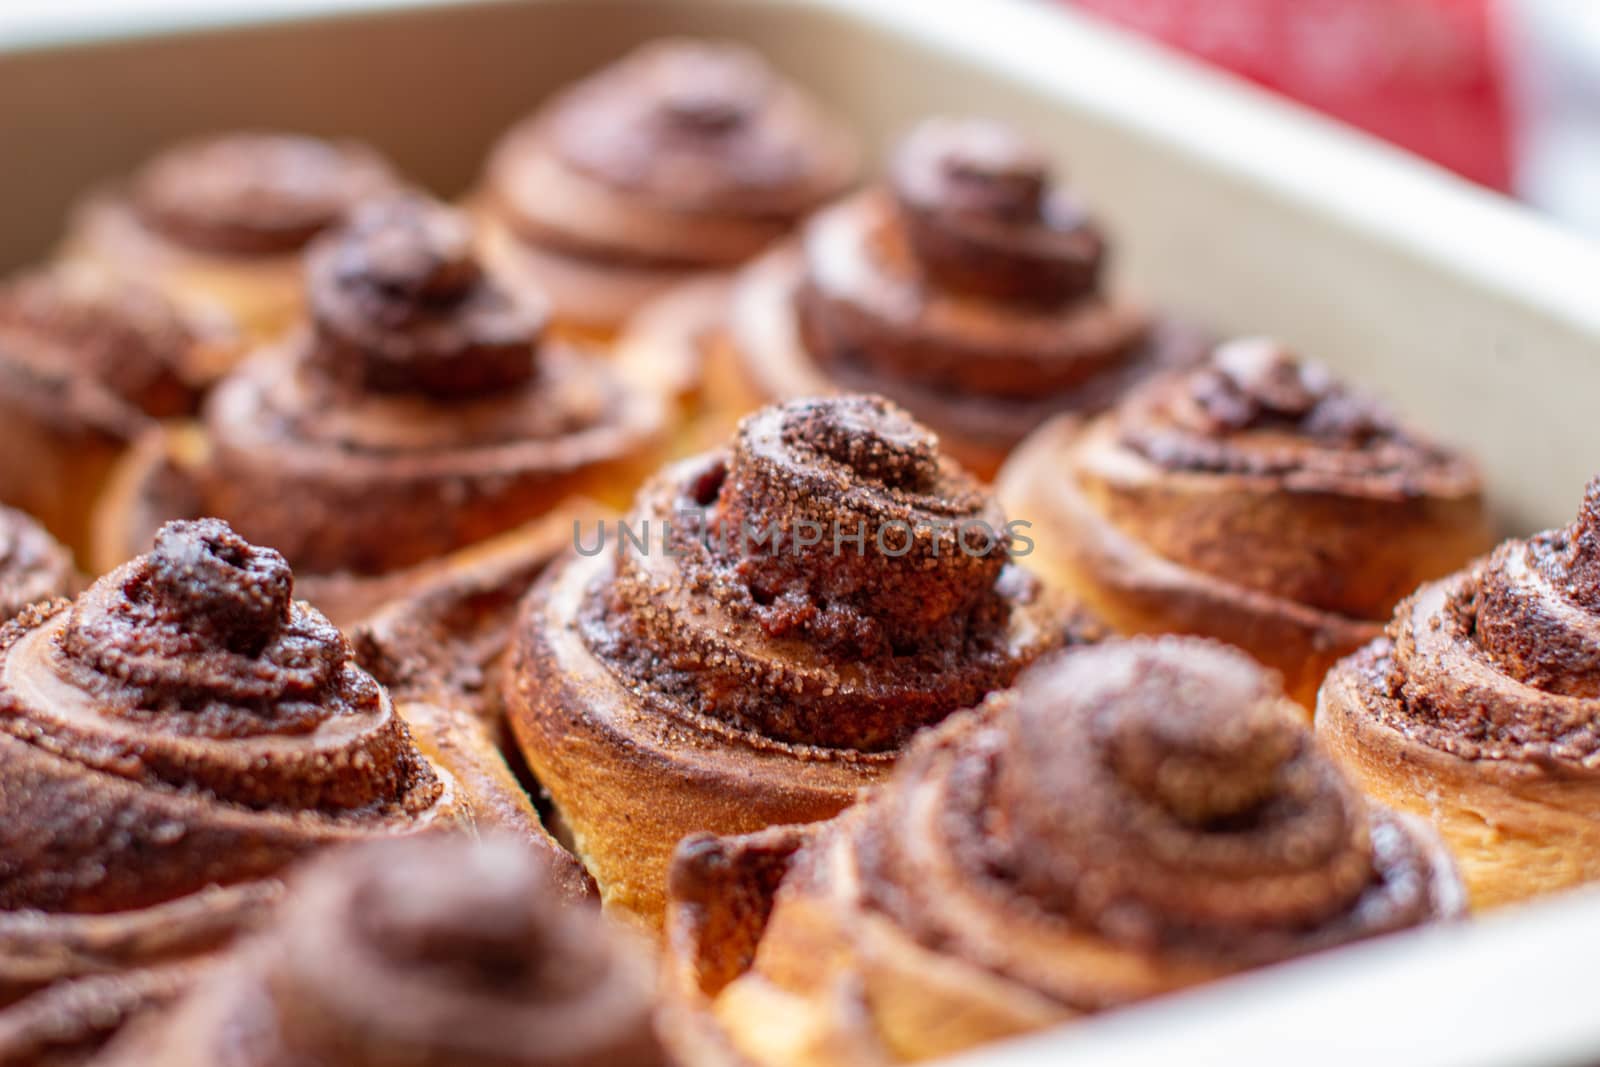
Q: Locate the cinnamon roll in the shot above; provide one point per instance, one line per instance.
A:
(1479, 709)
(683, 157)
(1254, 499)
(431, 951)
(421, 411)
(33, 566)
(967, 287)
(772, 624)
(183, 725)
(87, 363)
(1130, 820)
(219, 222)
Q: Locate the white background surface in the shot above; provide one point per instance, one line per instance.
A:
(28, 20)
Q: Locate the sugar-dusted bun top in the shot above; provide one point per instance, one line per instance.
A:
(400, 303)
(701, 127)
(984, 214)
(255, 194)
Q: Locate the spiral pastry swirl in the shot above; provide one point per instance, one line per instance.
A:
(183, 725)
(1478, 708)
(682, 156)
(419, 412)
(1129, 820)
(815, 594)
(436, 950)
(33, 567)
(254, 194)
(86, 363)
(968, 287)
(1253, 498)
(218, 223)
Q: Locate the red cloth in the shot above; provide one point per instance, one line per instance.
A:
(1421, 73)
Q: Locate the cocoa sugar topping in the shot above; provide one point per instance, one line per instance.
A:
(401, 304)
(834, 529)
(1254, 408)
(1256, 383)
(983, 214)
(201, 639)
(860, 465)
(255, 194)
(1502, 661)
(1177, 772)
(206, 624)
(699, 127)
(1194, 791)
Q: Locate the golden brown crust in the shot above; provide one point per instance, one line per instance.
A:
(439, 648)
(1478, 709)
(1072, 846)
(731, 674)
(33, 566)
(438, 951)
(681, 157)
(185, 724)
(86, 363)
(967, 288)
(218, 223)
(419, 414)
(1252, 499)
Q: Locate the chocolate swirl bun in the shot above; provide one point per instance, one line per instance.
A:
(87, 363)
(1480, 709)
(1130, 820)
(967, 286)
(422, 410)
(684, 156)
(220, 222)
(439, 951)
(185, 724)
(805, 601)
(33, 567)
(1254, 499)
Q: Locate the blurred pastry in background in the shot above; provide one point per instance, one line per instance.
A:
(1255, 499)
(1132, 819)
(88, 363)
(441, 951)
(680, 158)
(785, 613)
(1480, 710)
(220, 222)
(421, 409)
(33, 565)
(967, 286)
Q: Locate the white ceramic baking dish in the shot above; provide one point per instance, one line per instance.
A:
(1477, 319)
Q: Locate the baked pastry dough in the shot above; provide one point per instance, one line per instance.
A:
(420, 412)
(219, 223)
(681, 158)
(1254, 499)
(437, 951)
(966, 287)
(1480, 709)
(739, 666)
(87, 364)
(1130, 820)
(169, 742)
